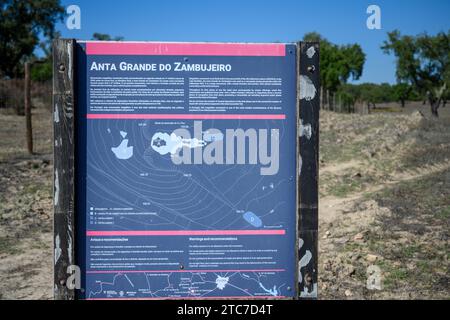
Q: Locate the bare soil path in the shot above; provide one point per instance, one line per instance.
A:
(384, 206)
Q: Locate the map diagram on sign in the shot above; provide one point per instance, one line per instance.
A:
(123, 151)
(188, 285)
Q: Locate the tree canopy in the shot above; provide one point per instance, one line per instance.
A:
(423, 62)
(105, 37)
(21, 25)
(373, 94)
(337, 63)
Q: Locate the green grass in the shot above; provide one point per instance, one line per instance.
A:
(345, 150)
(386, 165)
(424, 266)
(410, 251)
(443, 213)
(392, 276)
(331, 152)
(341, 186)
(395, 277)
(32, 188)
(389, 109)
(38, 244)
(342, 190)
(8, 246)
(352, 246)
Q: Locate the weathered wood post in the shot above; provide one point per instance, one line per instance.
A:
(64, 173)
(27, 91)
(308, 149)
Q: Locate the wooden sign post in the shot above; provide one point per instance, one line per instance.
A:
(283, 81)
(64, 165)
(308, 145)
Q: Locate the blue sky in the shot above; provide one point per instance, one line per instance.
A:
(340, 21)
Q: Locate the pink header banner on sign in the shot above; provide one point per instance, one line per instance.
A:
(137, 116)
(184, 232)
(185, 49)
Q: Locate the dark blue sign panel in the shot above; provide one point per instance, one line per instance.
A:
(187, 172)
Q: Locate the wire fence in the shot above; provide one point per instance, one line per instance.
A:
(12, 95)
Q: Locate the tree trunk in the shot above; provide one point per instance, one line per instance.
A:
(334, 101)
(27, 89)
(331, 101)
(434, 108)
(339, 103)
(323, 100)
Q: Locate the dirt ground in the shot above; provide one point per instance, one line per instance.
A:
(26, 225)
(384, 205)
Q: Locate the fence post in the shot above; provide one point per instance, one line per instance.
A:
(64, 175)
(308, 142)
(27, 94)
